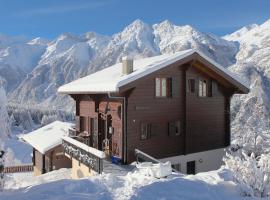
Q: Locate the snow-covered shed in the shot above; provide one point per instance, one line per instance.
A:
(47, 150)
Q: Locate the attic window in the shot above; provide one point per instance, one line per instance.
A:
(202, 88)
(163, 87)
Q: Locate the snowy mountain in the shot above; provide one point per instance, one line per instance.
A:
(33, 70)
(18, 56)
(69, 57)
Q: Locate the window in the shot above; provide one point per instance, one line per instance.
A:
(163, 87)
(191, 167)
(177, 167)
(191, 85)
(145, 131)
(202, 88)
(174, 128)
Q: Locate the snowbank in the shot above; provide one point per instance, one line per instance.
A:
(204, 186)
(159, 170)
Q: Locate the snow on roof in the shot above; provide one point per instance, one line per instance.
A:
(49, 136)
(111, 79)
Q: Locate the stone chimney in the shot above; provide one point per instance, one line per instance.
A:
(127, 65)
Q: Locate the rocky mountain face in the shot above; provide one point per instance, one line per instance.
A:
(33, 70)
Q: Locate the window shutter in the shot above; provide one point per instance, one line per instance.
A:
(169, 87)
(171, 128)
(149, 131)
(175, 87)
(214, 88)
(154, 130)
(210, 88)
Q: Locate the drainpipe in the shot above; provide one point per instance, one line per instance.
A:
(124, 117)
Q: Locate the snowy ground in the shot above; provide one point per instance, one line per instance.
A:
(215, 185)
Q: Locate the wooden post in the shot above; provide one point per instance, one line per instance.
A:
(43, 164)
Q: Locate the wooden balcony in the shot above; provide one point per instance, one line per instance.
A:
(89, 156)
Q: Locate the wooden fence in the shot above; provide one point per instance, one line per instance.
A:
(19, 168)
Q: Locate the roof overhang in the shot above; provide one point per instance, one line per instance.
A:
(239, 85)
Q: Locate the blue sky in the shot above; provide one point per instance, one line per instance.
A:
(49, 18)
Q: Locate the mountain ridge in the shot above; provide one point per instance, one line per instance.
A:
(246, 52)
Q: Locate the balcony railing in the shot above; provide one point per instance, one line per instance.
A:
(91, 157)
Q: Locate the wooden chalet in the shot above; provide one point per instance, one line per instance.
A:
(172, 107)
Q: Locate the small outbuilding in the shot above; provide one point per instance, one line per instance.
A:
(48, 152)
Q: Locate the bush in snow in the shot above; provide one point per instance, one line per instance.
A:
(1, 170)
(251, 172)
(4, 118)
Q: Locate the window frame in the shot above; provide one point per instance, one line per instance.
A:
(163, 87)
(202, 88)
(148, 130)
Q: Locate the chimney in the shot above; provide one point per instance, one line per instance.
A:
(127, 65)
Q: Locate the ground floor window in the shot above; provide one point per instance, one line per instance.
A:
(145, 131)
(177, 167)
(174, 128)
(191, 167)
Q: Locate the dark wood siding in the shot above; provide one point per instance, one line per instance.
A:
(203, 123)
(93, 108)
(143, 106)
(205, 118)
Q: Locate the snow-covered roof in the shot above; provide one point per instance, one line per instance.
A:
(48, 137)
(111, 79)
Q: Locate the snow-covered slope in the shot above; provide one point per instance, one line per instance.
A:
(57, 185)
(253, 62)
(69, 57)
(18, 56)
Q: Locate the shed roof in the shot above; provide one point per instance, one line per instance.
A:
(48, 137)
(111, 78)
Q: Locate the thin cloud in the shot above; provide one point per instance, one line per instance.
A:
(65, 8)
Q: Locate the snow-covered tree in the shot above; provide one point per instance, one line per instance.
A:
(46, 119)
(4, 119)
(2, 170)
(251, 172)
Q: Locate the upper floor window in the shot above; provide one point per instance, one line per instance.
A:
(163, 87)
(202, 88)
